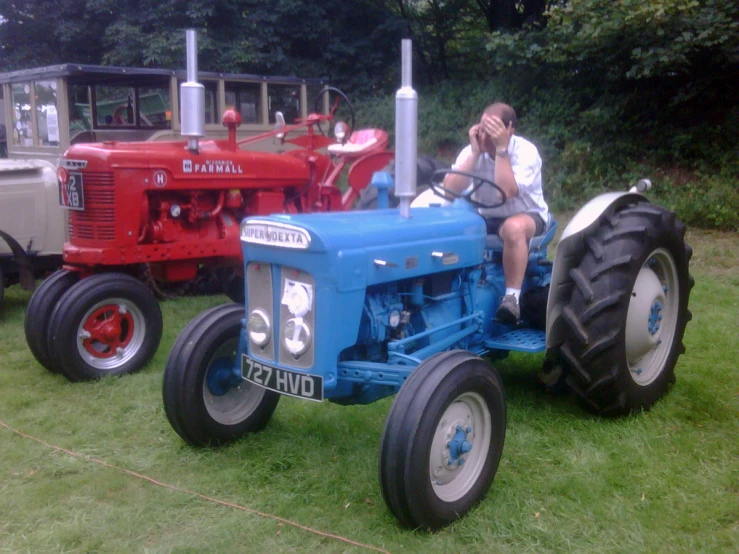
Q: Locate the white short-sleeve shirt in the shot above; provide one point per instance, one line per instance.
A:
(526, 165)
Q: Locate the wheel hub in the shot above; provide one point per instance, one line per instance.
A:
(106, 331)
(111, 333)
(227, 397)
(460, 446)
(655, 317)
(652, 317)
(457, 440)
(220, 377)
(111, 330)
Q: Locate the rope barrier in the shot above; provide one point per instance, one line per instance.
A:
(192, 493)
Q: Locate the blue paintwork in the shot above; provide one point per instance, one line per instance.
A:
(221, 377)
(382, 181)
(430, 275)
(458, 446)
(655, 317)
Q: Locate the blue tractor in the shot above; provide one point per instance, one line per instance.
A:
(354, 307)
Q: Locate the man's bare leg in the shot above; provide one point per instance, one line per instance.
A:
(516, 231)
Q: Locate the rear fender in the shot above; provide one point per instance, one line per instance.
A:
(570, 250)
(25, 268)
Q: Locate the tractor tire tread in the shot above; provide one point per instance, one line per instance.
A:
(582, 283)
(601, 295)
(38, 314)
(604, 303)
(609, 265)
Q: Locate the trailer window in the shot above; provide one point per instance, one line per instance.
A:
(245, 98)
(47, 113)
(155, 108)
(22, 127)
(211, 103)
(80, 114)
(285, 99)
(115, 106)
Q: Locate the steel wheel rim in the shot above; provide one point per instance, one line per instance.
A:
(99, 345)
(238, 402)
(467, 415)
(652, 318)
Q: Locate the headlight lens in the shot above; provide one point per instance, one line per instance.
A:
(297, 336)
(259, 327)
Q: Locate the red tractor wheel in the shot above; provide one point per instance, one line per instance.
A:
(107, 324)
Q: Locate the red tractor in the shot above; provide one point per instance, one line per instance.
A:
(170, 210)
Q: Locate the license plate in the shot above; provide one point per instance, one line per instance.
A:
(70, 194)
(290, 383)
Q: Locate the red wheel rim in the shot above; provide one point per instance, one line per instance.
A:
(110, 327)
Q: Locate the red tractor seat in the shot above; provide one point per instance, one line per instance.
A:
(360, 142)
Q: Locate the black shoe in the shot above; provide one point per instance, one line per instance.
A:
(508, 311)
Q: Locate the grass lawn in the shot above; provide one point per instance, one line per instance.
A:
(661, 481)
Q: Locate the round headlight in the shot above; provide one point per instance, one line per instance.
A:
(259, 328)
(297, 337)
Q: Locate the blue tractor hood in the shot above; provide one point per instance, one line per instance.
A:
(357, 249)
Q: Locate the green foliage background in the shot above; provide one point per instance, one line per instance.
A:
(609, 91)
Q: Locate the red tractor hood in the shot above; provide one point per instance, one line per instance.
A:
(214, 165)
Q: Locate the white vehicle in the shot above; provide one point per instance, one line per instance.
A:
(32, 225)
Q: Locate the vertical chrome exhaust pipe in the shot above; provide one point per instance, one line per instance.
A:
(406, 133)
(192, 96)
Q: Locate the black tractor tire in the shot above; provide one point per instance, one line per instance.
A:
(628, 311)
(231, 284)
(107, 324)
(443, 440)
(203, 407)
(38, 313)
(2, 286)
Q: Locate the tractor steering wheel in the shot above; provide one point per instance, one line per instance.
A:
(340, 96)
(436, 183)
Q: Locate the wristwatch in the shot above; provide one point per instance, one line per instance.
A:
(502, 153)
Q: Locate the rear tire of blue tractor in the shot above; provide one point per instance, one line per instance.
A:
(628, 311)
(205, 403)
(443, 440)
(39, 310)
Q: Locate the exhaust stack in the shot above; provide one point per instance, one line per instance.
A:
(406, 133)
(192, 96)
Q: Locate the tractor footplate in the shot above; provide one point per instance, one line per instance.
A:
(520, 340)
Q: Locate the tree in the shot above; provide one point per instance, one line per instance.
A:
(42, 32)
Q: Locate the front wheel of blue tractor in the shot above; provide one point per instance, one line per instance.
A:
(443, 440)
(205, 401)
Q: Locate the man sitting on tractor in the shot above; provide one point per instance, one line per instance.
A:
(513, 163)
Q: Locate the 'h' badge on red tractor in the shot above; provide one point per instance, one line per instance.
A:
(160, 178)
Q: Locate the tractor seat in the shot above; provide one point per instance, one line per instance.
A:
(360, 142)
(494, 242)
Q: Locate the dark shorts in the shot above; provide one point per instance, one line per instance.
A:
(493, 223)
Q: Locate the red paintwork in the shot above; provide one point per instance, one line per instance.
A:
(161, 204)
(109, 329)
